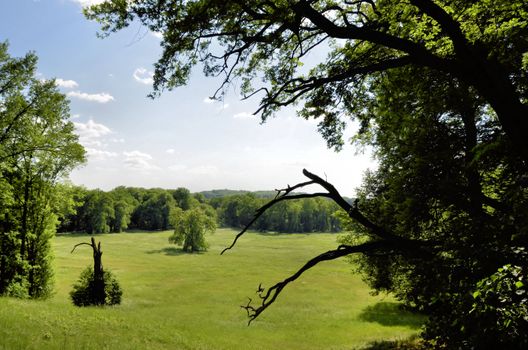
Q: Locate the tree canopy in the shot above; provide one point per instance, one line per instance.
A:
(481, 44)
(38, 148)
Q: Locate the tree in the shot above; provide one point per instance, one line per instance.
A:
(38, 148)
(480, 43)
(154, 212)
(98, 212)
(190, 227)
(96, 286)
(448, 205)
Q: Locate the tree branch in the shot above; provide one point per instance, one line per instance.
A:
(268, 297)
(373, 36)
(78, 244)
(279, 197)
(381, 239)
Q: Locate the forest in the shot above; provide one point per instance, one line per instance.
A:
(97, 211)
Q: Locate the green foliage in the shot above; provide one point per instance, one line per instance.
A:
(190, 227)
(154, 213)
(38, 148)
(448, 179)
(82, 293)
(306, 215)
(269, 42)
(501, 307)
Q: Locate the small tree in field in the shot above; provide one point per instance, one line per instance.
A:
(96, 286)
(190, 227)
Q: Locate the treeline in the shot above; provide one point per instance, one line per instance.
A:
(304, 215)
(150, 209)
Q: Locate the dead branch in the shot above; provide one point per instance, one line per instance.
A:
(78, 244)
(268, 297)
(281, 195)
(382, 240)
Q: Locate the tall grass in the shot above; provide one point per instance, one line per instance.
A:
(174, 300)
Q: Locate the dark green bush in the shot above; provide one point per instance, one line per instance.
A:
(83, 291)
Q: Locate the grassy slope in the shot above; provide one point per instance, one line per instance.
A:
(190, 301)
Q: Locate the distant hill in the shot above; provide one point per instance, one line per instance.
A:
(225, 193)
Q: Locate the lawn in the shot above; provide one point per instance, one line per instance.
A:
(174, 300)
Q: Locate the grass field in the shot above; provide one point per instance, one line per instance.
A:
(191, 301)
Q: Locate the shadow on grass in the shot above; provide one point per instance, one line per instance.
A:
(275, 233)
(391, 314)
(168, 251)
(173, 251)
(412, 343)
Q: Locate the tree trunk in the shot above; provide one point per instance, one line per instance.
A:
(99, 286)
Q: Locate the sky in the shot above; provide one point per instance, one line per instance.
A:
(181, 139)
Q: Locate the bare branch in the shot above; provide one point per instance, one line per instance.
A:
(332, 193)
(280, 196)
(269, 296)
(78, 244)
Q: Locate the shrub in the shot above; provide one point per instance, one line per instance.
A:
(83, 293)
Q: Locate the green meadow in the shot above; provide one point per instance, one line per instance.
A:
(174, 300)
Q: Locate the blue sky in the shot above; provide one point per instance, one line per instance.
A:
(178, 140)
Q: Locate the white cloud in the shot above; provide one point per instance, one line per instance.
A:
(244, 115)
(223, 106)
(121, 140)
(86, 3)
(90, 131)
(143, 76)
(100, 98)
(139, 161)
(158, 35)
(209, 100)
(99, 154)
(68, 84)
(170, 151)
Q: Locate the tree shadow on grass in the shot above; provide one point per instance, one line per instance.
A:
(173, 251)
(412, 343)
(391, 314)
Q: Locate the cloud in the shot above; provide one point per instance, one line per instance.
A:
(170, 151)
(223, 106)
(68, 84)
(143, 76)
(90, 131)
(244, 115)
(100, 98)
(99, 154)
(139, 161)
(86, 3)
(209, 100)
(158, 35)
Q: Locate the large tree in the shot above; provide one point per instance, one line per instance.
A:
(481, 43)
(441, 91)
(38, 148)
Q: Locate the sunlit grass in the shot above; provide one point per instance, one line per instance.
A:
(191, 301)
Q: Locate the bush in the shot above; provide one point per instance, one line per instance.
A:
(83, 291)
